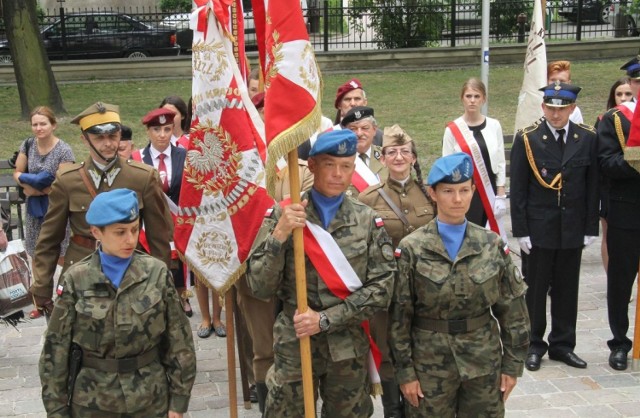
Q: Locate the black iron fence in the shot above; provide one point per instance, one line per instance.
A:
(379, 24)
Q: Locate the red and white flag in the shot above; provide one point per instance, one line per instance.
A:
(535, 72)
(292, 79)
(223, 197)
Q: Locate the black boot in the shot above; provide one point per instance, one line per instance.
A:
(391, 400)
(262, 390)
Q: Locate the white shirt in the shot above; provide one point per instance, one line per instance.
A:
(167, 160)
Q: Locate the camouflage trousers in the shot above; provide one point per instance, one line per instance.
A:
(159, 410)
(446, 395)
(342, 385)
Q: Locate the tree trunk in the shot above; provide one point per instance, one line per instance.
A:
(36, 82)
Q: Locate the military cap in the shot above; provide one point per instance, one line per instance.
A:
(258, 100)
(339, 143)
(350, 85)
(159, 117)
(99, 118)
(355, 114)
(394, 136)
(112, 207)
(126, 133)
(452, 169)
(560, 94)
(633, 68)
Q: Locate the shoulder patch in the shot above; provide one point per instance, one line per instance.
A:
(69, 167)
(398, 252)
(379, 222)
(139, 165)
(268, 213)
(589, 128)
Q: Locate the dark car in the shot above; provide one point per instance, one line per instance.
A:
(597, 11)
(103, 35)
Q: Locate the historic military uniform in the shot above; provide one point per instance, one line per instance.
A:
(137, 353)
(415, 210)
(340, 354)
(623, 219)
(554, 201)
(69, 201)
(456, 323)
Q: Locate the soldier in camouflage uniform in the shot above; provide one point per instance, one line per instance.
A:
(339, 345)
(119, 306)
(458, 323)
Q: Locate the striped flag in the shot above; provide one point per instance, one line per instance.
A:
(535, 72)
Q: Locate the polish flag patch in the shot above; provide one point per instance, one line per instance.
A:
(59, 290)
(268, 213)
(397, 252)
(379, 222)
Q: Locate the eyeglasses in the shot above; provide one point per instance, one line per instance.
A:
(392, 153)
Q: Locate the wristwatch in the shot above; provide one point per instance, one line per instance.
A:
(324, 322)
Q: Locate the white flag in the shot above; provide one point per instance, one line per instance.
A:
(535, 72)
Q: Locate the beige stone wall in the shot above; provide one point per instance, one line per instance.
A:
(88, 4)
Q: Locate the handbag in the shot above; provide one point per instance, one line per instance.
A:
(15, 279)
(27, 144)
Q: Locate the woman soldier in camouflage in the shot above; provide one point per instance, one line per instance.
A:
(459, 329)
(404, 205)
(117, 343)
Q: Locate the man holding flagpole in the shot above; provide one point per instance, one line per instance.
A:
(350, 272)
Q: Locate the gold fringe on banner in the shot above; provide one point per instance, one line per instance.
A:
(376, 389)
(202, 278)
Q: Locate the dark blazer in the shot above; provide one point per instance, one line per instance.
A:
(178, 155)
(535, 211)
(624, 180)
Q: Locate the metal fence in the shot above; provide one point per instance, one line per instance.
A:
(367, 24)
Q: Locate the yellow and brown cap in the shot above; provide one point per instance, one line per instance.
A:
(395, 136)
(99, 114)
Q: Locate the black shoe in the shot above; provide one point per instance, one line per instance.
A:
(618, 359)
(253, 394)
(570, 359)
(533, 362)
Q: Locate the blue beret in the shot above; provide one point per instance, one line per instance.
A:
(632, 68)
(560, 94)
(340, 143)
(115, 206)
(452, 169)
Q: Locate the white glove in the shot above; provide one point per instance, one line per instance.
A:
(500, 206)
(588, 240)
(525, 244)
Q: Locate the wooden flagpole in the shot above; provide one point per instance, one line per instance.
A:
(301, 289)
(231, 356)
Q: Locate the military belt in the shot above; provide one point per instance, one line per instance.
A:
(120, 365)
(452, 326)
(82, 241)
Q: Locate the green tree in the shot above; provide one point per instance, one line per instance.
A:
(36, 82)
(175, 5)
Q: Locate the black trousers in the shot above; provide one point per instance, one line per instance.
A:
(560, 271)
(624, 255)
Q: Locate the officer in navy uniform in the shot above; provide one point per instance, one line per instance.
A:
(623, 237)
(554, 215)
(73, 191)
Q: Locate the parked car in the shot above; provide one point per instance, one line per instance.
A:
(103, 35)
(597, 11)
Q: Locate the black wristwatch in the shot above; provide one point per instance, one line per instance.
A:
(324, 322)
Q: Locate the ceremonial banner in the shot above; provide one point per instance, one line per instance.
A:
(535, 72)
(223, 196)
(292, 79)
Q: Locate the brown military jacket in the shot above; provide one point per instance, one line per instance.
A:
(69, 201)
(415, 206)
(282, 185)
(375, 165)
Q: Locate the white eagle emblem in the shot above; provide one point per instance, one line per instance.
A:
(162, 119)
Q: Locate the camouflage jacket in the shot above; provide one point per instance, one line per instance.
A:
(367, 247)
(431, 285)
(144, 312)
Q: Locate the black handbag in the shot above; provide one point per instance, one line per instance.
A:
(27, 145)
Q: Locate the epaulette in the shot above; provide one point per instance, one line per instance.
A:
(371, 189)
(589, 128)
(66, 168)
(530, 128)
(141, 165)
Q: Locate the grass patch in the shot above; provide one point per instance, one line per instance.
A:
(422, 102)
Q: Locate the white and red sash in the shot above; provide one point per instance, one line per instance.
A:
(336, 272)
(469, 145)
(363, 177)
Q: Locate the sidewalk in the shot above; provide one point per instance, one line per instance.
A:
(556, 390)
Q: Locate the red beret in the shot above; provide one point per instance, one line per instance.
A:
(258, 100)
(352, 84)
(158, 117)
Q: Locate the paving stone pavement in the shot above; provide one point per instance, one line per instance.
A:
(556, 390)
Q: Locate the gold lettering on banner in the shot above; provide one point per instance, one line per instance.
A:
(213, 248)
(209, 60)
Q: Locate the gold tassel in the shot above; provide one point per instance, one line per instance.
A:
(186, 294)
(376, 389)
